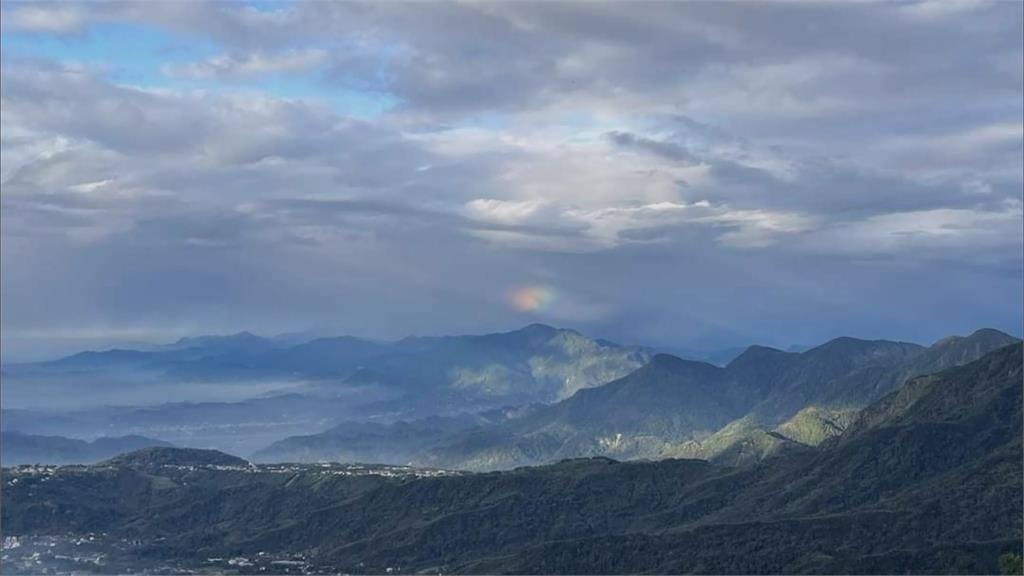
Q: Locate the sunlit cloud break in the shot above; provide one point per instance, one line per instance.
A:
(532, 298)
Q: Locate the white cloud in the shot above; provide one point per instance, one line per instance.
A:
(602, 228)
(572, 142)
(249, 65)
(503, 211)
(933, 9)
(977, 152)
(760, 228)
(58, 19)
(951, 231)
(804, 88)
(90, 187)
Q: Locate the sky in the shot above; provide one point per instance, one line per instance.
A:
(683, 174)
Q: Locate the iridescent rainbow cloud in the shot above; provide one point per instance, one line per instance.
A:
(533, 298)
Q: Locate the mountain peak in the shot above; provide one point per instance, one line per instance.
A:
(538, 328)
(676, 367)
(667, 360)
(758, 353)
(954, 350)
(955, 393)
(848, 345)
(992, 334)
(529, 335)
(988, 335)
(844, 342)
(167, 456)
(243, 335)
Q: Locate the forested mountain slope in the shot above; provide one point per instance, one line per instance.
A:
(926, 480)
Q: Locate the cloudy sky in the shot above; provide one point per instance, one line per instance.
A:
(677, 174)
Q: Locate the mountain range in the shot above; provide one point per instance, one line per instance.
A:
(924, 479)
(481, 402)
(537, 363)
(242, 392)
(763, 402)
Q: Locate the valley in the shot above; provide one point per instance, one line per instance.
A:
(926, 478)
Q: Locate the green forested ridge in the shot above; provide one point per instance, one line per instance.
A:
(764, 402)
(813, 425)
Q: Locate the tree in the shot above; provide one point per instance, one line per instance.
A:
(1011, 564)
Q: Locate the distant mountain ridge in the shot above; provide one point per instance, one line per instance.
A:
(367, 442)
(763, 403)
(618, 401)
(537, 363)
(17, 448)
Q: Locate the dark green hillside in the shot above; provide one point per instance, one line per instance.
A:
(668, 400)
(823, 373)
(927, 481)
(156, 457)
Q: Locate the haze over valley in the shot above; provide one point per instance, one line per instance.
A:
(930, 468)
(477, 402)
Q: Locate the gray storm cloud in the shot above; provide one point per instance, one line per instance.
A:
(680, 173)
